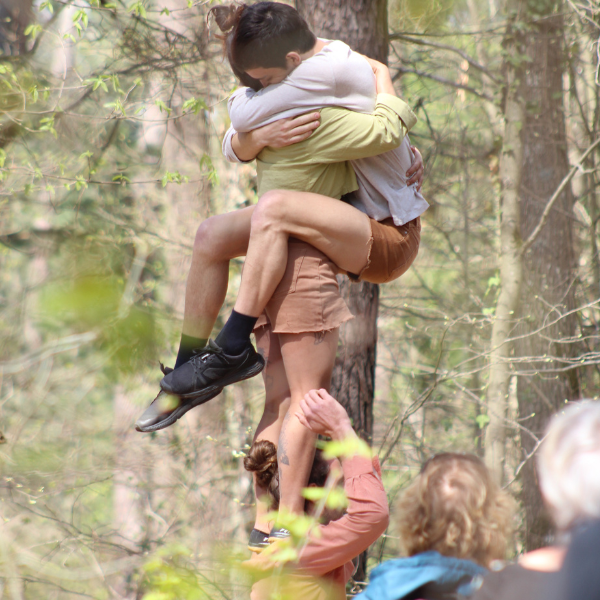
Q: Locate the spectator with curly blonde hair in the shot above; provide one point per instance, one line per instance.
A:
(454, 522)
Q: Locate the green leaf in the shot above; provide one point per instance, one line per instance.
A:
(2, 158)
(351, 446)
(194, 105)
(138, 9)
(162, 106)
(81, 183)
(87, 154)
(482, 420)
(47, 5)
(165, 11)
(33, 30)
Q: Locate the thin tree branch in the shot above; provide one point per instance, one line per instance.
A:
(472, 62)
(443, 81)
(563, 184)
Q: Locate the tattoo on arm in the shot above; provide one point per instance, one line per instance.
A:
(319, 337)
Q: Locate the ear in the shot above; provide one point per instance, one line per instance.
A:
(293, 59)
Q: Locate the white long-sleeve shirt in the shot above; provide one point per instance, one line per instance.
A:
(335, 76)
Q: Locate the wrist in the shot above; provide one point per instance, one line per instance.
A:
(258, 139)
(342, 430)
(384, 82)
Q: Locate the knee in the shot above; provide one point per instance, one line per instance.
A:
(209, 242)
(270, 211)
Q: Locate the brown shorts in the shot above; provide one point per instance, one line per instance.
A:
(393, 250)
(308, 297)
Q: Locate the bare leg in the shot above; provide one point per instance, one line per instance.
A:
(309, 359)
(218, 240)
(337, 229)
(277, 402)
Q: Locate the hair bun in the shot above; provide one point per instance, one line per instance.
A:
(262, 460)
(227, 16)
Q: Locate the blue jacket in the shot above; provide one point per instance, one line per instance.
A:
(395, 579)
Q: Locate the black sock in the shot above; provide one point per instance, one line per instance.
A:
(187, 345)
(235, 335)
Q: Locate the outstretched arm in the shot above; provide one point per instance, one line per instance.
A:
(367, 516)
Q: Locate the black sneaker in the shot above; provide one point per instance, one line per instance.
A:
(278, 533)
(211, 369)
(166, 409)
(259, 540)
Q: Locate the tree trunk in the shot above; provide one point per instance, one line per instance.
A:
(511, 271)
(549, 264)
(363, 25)
(15, 15)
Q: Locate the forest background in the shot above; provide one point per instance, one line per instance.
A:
(111, 118)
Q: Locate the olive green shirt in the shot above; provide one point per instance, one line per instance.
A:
(319, 163)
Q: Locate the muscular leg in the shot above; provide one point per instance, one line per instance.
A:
(308, 360)
(277, 402)
(218, 240)
(335, 228)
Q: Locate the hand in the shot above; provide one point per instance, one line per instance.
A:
(323, 414)
(383, 79)
(374, 64)
(286, 132)
(416, 173)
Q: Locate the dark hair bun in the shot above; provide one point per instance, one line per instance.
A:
(227, 16)
(262, 460)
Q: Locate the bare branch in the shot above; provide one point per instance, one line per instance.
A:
(472, 62)
(442, 80)
(563, 184)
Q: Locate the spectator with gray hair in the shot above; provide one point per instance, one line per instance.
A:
(569, 477)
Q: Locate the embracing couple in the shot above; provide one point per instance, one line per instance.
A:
(338, 186)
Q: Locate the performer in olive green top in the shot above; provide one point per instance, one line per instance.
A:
(343, 135)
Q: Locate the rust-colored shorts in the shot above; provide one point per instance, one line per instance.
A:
(308, 297)
(393, 250)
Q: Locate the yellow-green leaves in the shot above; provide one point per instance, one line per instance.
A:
(138, 9)
(33, 30)
(80, 20)
(47, 4)
(194, 105)
(335, 498)
(163, 107)
(47, 124)
(351, 446)
(175, 177)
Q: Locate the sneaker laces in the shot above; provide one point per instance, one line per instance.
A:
(201, 356)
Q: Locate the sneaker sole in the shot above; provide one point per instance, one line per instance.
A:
(177, 413)
(206, 392)
(257, 549)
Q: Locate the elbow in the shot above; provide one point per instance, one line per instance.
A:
(240, 124)
(242, 119)
(380, 519)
